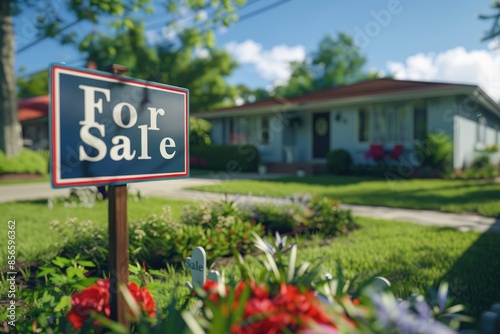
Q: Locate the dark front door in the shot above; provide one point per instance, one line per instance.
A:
(321, 134)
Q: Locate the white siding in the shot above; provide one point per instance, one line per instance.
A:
(465, 141)
(440, 114)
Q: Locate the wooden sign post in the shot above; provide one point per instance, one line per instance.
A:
(118, 239)
(118, 251)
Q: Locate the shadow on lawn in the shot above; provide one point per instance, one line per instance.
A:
(474, 278)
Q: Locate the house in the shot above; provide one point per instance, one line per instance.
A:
(33, 116)
(300, 131)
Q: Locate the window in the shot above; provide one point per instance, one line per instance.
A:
(389, 125)
(419, 122)
(238, 130)
(264, 130)
(363, 126)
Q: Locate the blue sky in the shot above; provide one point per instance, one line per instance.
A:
(424, 40)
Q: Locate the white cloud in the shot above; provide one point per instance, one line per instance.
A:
(479, 67)
(270, 64)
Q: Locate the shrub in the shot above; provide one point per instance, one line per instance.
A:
(437, 150)
(338, 161)
(199, 132)
(152, 240)
(481, 161)
(329, 219)
(218, 227)
(27, 161)
(281, 219)
(231, 158)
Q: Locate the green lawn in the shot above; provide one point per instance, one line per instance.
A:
(410, 256)
(33, 237)
(21, 180)
(482, 197)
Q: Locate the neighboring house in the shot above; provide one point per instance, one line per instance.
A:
(33, 116)
(383, 112)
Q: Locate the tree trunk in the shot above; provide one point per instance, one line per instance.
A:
(10, 129)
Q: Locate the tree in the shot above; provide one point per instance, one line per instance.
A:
(122, 11)
(10, 129)
(34, 85)
(203, 72)
(337, 62)
(495, 27)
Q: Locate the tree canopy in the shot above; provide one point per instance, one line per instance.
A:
(336, 62)
(122, 14)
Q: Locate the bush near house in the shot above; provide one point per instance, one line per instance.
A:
(26, 162)
(230, 158)
(437, 153)
(339, 162)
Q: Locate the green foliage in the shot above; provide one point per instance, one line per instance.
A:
(337, 62)
(437, 149)
(339, 161)
(275, 287)
(281, 219)
(152, 240)
(199, 132)
(481, 161)
(218, 227)
(329, 219)
(230, 158)
(34, 85)
(481, 168)
(30, 162)
(492, 148)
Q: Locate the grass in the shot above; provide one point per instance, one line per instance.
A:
(412, 257)
(32, 218)
(23, 180)
(482, 197)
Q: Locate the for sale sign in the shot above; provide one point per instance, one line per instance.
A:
(109, 129)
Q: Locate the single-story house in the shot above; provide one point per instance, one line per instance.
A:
(357, 117)
(33, 116)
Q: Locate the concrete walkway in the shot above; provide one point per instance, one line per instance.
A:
(175, 189)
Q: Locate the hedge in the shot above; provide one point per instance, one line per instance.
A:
(235, 158)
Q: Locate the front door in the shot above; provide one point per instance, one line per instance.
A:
(321, 134)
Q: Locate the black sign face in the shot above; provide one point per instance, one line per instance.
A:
(108, 129)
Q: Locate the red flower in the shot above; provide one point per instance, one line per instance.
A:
(95, 299)
(143, 298)
(290, 308)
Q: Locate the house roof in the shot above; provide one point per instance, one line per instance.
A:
(369, 91)
(33, 108)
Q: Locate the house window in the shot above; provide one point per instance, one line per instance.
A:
(238, 130)
(264, 130)
(419, 123)
(389, 125)
(363, 126)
